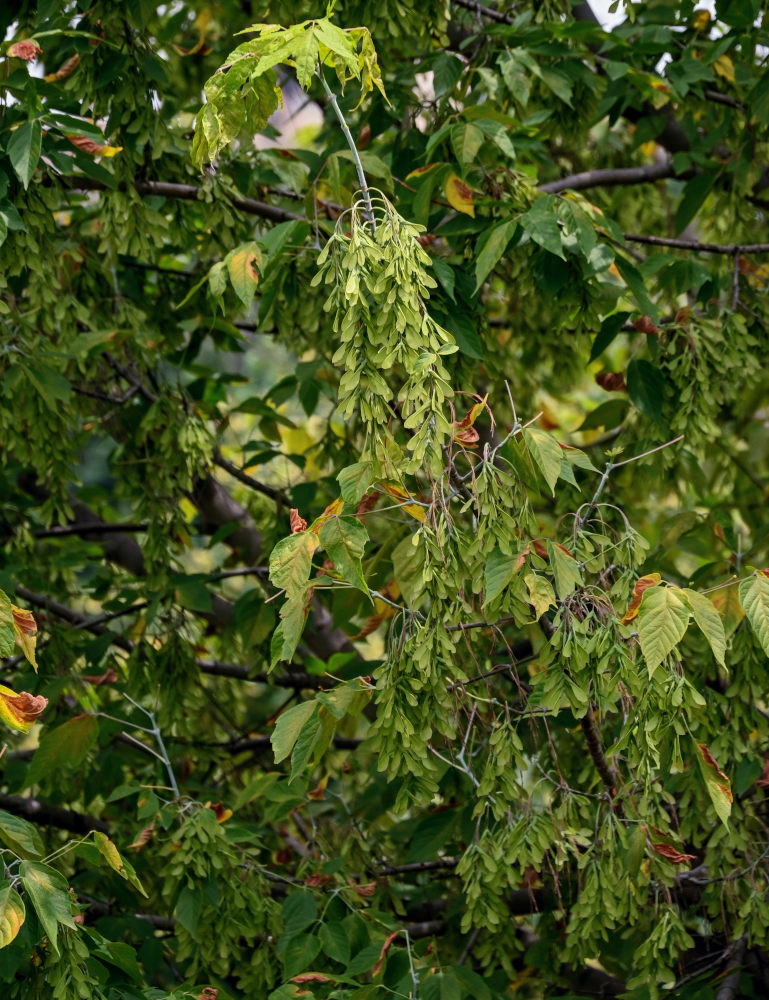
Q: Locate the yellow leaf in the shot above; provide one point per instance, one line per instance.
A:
(12, 915)
(727, 603)
(701, 20)
(725, 68)
(647, 148)
(416, 510)
(421, 171)
(459, 195)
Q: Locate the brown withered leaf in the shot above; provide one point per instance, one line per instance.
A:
(92, 147)
(209, 993)
(21, 710)
(383, 953)
(468, 436)
(426, 239)
(367, 503)
(64, 70)
(612, 381)
(365, 137)
(363, 890)
(671, 854)
(296, 521)
(24, 620)
(143, 837)
(310, 977)
(642, 583)
(313, 881)
(110, 676)
(319, 792)
(222, 814)
(763, 781)
(644, 325)
(26, 50)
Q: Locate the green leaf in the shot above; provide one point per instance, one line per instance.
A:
(635, 282)
(466, 139)
(541, 223)
(299, 910)
(610, 327)
(48, 892)
(20, 836)
(299, 954)
(288, 727)
(50, 384)
(354, 481)
(472, 984)
(116, 862)
(696, 191)
(547, 454)
(440, 987)
(498, 573)
(7, 632)
(12, 914)
(24, 150)
(662, 622)
(291, 561)
(566, 571)
(335, 942)
(494, 247)
(718, 785)
(66, 746)
(646, 388)
(709, 622)
(344, 539)
(243, 263)
(754, 598)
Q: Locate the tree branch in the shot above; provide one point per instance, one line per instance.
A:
(729, 249)
(614, 176)
(45, 814)
(188, 192)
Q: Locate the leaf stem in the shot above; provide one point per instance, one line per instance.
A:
(364, 189)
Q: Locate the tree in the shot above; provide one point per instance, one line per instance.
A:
(383, 524)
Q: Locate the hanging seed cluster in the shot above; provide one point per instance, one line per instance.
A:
(380, 288)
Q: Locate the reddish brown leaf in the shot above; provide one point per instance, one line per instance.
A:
(24, 620)
(209, 993)
(143, 837)
(317, 880)
(539, 547)
(383, 953)
(110, 676)
(468, 437)
(426, 239)
(64, 70)
(310, 977)
(669, 852)
(365, 137)
(319, 792)
(92, 147)
(366, 504)
(364, 890)
(763, 781)
(25, 50)
(644, 325)
(222, 814)
(297, 523)
(710, 760)
(611, 381)
(642, 583)
(21, 710)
